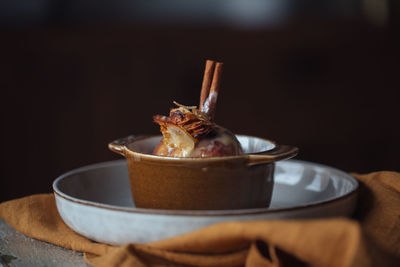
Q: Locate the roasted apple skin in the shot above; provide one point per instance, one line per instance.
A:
(223, 144)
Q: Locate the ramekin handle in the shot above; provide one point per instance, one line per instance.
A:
(119, 145)
(280, 152)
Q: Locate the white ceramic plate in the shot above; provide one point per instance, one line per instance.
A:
(95, 201)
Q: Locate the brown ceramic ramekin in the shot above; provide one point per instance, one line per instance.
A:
(216, 183)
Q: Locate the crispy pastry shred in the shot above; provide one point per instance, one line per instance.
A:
(188, 118)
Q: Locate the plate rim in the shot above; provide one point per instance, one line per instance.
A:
(58, 193)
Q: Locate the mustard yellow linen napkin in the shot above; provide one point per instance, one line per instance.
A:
(371, 240)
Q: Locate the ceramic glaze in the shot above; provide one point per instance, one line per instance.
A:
(96, 202)
(227, 182)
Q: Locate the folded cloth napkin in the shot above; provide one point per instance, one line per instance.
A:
(372, 238)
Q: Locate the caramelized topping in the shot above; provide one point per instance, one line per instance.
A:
(188, 118)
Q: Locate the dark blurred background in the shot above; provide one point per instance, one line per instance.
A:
(74, 75)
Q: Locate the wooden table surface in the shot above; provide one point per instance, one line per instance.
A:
(17, 249)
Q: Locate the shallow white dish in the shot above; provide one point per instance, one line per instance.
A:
(95, 201)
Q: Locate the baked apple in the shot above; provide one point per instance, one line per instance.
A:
(191, 132)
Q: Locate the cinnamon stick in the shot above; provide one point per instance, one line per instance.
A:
(209, 104)
(216, 79)
(207, 80)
